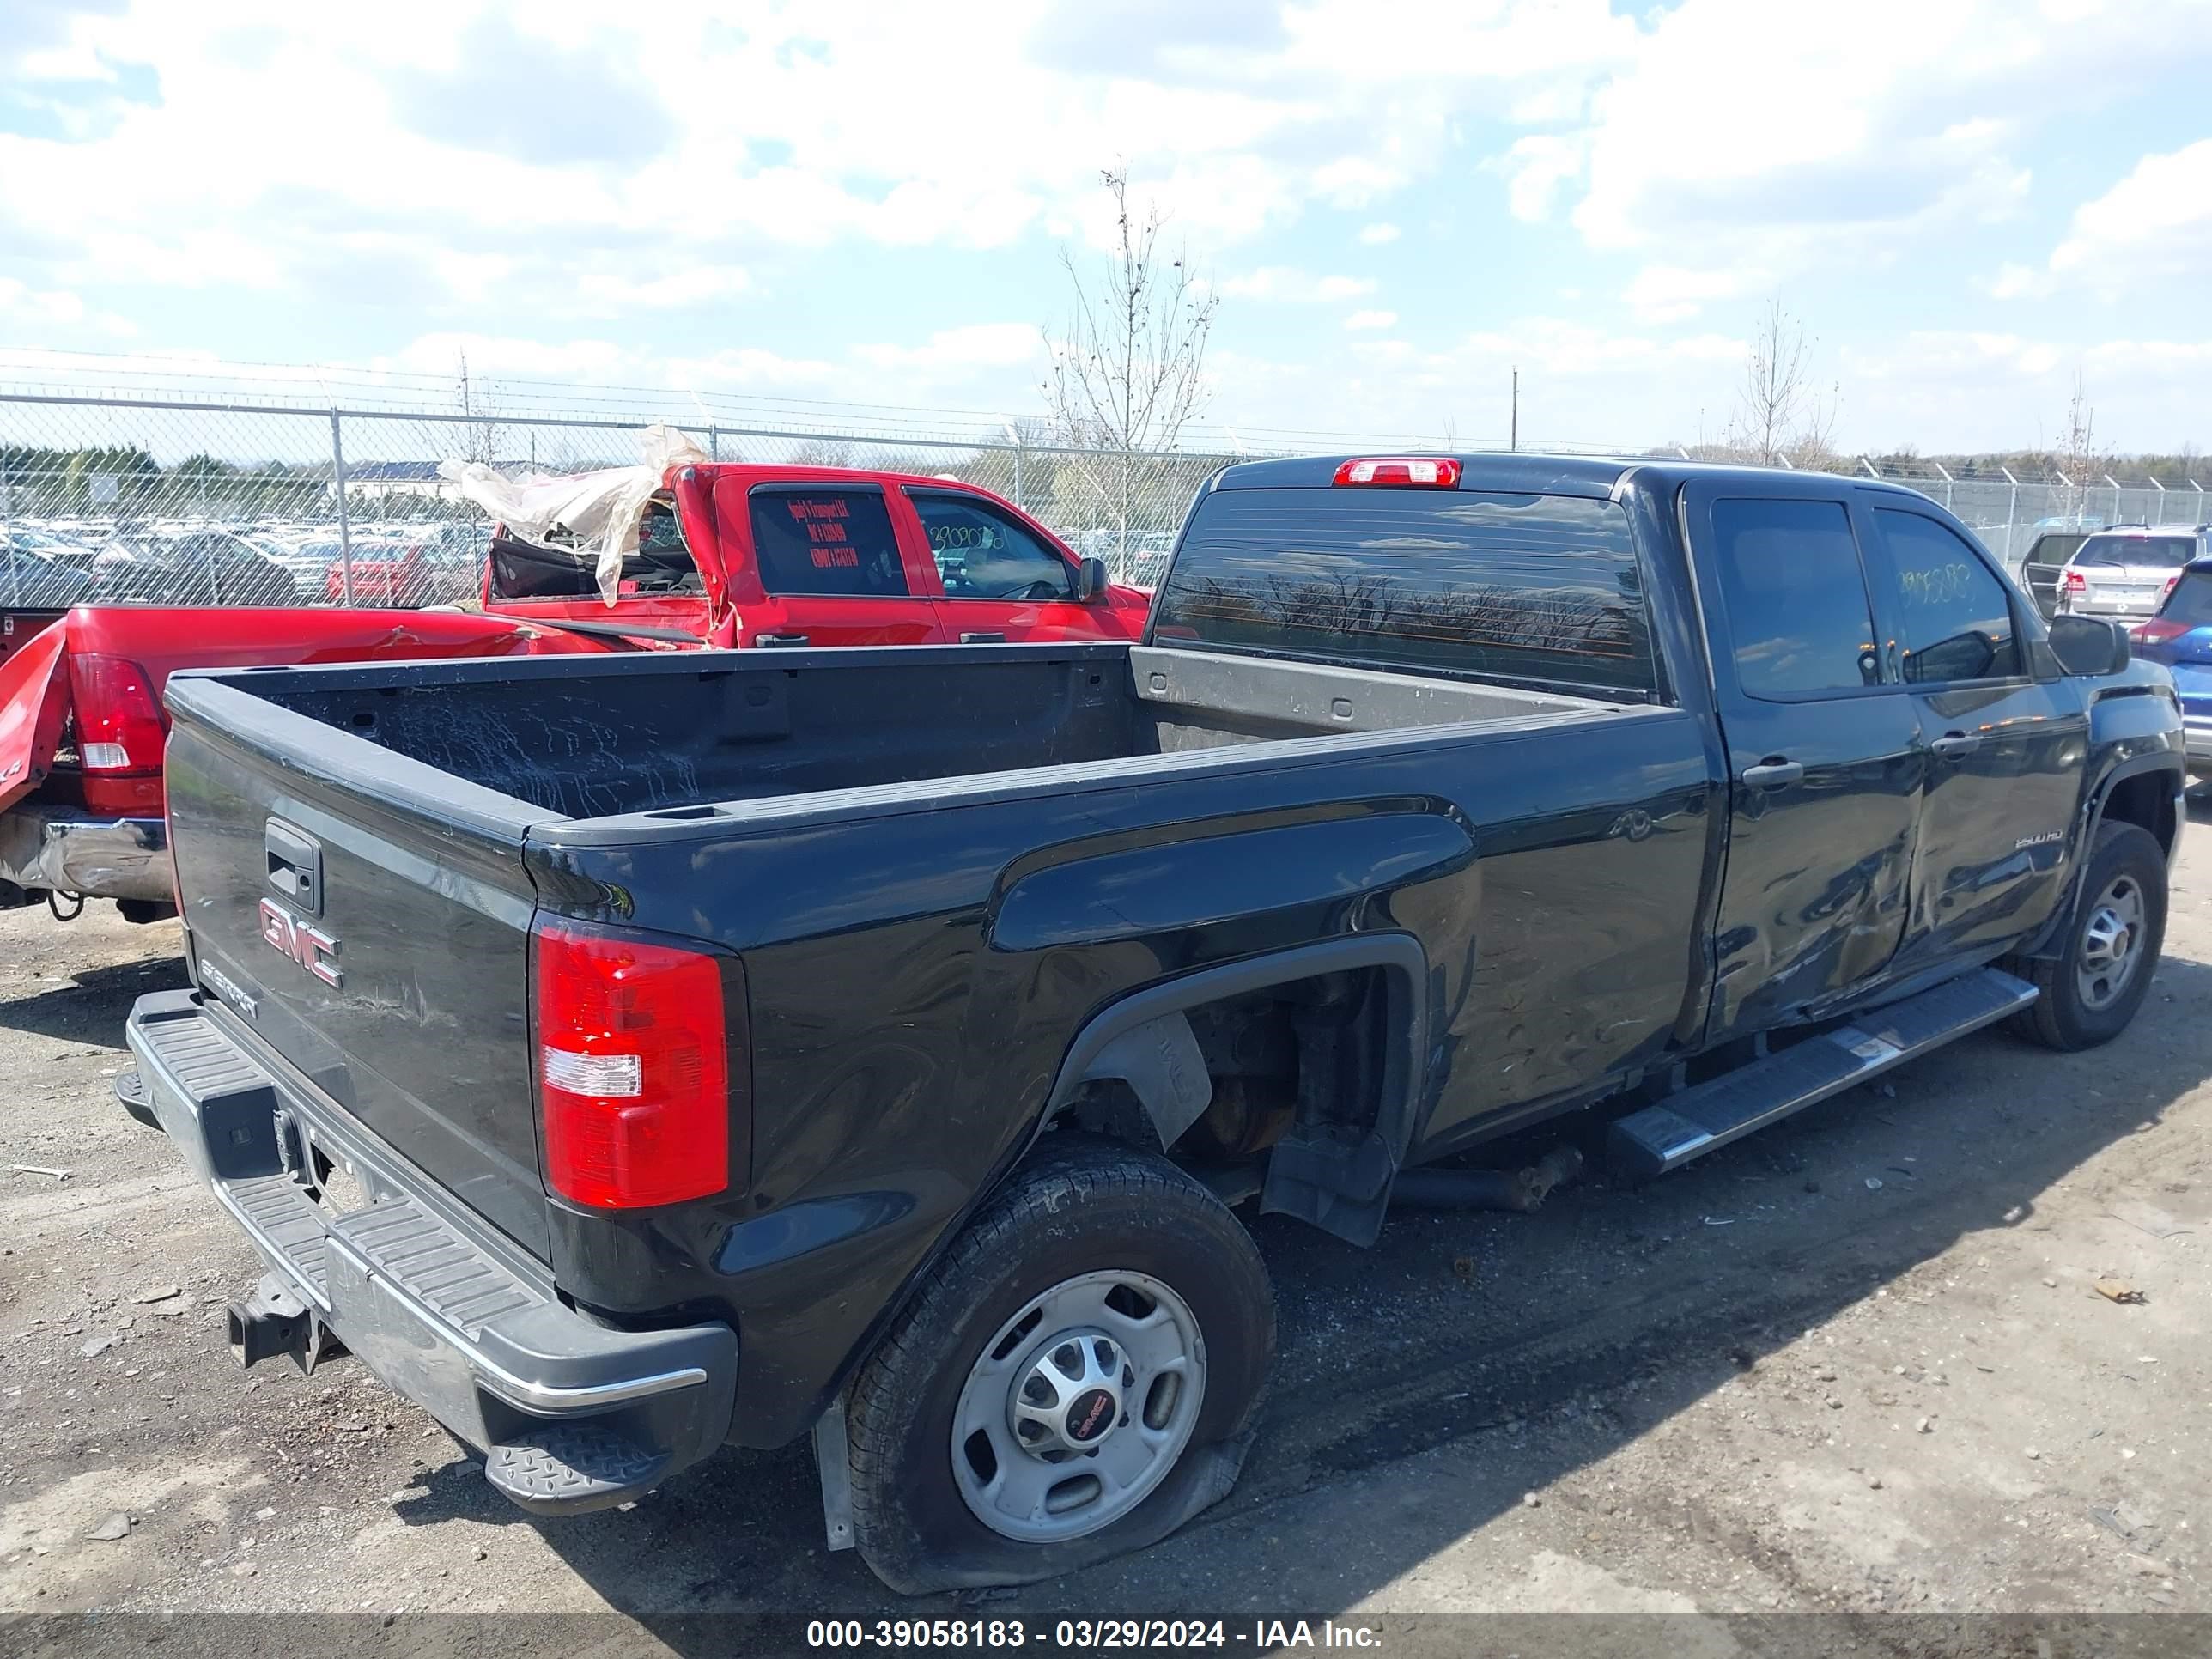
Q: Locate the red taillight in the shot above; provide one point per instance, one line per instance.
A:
(118, 719)
(2155, 631)
(2076, 582)
(633, 1068)
(1404, 471)
(2167, 591)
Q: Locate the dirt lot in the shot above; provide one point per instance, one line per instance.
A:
(1855, 1364)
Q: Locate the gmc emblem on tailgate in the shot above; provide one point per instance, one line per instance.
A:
(305, 944)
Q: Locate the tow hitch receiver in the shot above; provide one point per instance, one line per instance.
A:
(274, 1321)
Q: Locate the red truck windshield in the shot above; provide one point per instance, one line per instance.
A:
(1531, 589)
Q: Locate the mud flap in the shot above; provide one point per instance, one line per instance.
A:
(1161, 1062)
(1339, 1179)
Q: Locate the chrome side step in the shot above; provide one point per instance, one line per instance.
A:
(1693, 1123)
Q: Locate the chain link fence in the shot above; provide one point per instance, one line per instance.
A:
(2011, 515)
(154, 501)
(193, 500)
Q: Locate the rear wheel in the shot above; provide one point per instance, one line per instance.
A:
(1077, 1378)
(2091, 990)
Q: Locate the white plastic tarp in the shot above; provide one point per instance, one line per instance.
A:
(597, 514)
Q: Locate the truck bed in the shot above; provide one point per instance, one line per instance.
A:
(707, 735)
(924, 869)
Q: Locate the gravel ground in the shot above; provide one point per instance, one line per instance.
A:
(1857, 1363)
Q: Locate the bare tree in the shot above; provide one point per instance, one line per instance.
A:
(1127, 368)
(1782, 418)
(2077, 446)
(480, 424)
(2073, 460)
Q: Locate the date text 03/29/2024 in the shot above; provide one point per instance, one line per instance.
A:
(1259, 1635)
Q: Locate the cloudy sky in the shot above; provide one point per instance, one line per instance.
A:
(1966, 202)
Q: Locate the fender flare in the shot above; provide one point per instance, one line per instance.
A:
(2098, 795)
(1144, 1038)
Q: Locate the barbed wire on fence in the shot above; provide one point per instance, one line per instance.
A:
(161, 493)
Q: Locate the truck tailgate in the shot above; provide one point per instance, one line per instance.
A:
(371, 938)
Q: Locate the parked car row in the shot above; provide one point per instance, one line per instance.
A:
(407, 566)
(2123, 571)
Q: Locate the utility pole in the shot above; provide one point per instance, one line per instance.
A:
(1513, 438)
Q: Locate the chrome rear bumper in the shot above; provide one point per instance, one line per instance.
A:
(65, 849)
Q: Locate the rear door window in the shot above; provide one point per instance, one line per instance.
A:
(836, 542)
(1795, 596)
(984, 554)
(1541, 590)
(2190, 602)
(2055, 548)
(1955, 615)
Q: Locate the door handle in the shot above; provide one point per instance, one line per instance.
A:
(293, 861)
(983, 639)
(1773, 774)
(1955, 745)
(773, 640)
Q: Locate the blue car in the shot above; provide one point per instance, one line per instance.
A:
(2180, 637)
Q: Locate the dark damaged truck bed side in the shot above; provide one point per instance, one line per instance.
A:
(728, 1046)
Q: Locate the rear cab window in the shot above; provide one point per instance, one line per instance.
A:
(1795, 597)
(834, 541)
(1537, 590)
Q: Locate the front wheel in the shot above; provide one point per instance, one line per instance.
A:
(1076, 1379)
(2092, 988)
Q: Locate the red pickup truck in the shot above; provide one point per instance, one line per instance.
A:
(745, 555)
(82, 728)
(727, 555)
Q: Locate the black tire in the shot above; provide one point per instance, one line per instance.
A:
(2062, 1017)
(1076, 1206)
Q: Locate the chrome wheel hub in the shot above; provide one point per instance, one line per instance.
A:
(1071, 1397)
(1079, 1406)
(2106, 961)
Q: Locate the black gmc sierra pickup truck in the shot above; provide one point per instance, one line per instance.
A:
(629, 1056)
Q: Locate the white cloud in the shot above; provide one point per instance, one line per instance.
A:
(488, 354)
(1287, 285)
(699, 285)
(1362, 319)
(48, 310)
(1667, 294)
(952, 353)
(1375, 235)
(1580, 385)
(2015, 281)
(1993, 390)
(459, 132)
(1354, 181)
(1787, 137)
(754, 368)
(19, 299)
(1536, 167)
(2152, 226)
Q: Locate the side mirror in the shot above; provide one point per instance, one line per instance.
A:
(1090, 580)
(2088, 646)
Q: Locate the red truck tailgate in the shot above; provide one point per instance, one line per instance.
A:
(31, 706)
